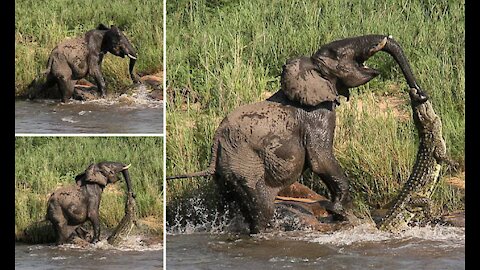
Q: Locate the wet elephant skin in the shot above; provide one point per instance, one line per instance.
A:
(70, 207)
(76, 58)
(263, 147)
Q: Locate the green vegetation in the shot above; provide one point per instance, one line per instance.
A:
(41, 25)
(222, 54)
(42, 164)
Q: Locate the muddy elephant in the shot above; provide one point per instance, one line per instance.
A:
(263, 147)
(70, 207)
(74, 59)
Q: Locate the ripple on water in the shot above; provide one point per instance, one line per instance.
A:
(201, 238)
(111, 115)
(133, 253)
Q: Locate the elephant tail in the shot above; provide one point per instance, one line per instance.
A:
(48, 67)
(206, 172)
(211, 168)
(36, 81)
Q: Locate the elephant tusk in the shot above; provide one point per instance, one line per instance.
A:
(126, 167)
(379, 46)
(131, 56)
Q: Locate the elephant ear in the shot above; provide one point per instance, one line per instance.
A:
(102, 27)
(301, 82)
(115, 29)
(109, 172)
(80, 178)
(93, 174)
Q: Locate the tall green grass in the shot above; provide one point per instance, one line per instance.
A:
(41, 25)
(42, 164)
(223, 54)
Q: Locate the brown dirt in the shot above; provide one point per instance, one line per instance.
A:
(265, 95)
(457, 181)
(151, 222)
(384, 105)
(152, 79)
(114, 189)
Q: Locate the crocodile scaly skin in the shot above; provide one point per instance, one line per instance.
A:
(125, 226)
(414, 198)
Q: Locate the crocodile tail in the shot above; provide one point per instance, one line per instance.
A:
(393, 213)
(399, 206)
(209, 171)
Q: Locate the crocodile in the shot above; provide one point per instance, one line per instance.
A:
(414, 198)
(125, 226)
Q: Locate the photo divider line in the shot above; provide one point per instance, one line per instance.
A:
(164, 133)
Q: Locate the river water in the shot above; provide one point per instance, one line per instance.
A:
(131, 255)
(96, 116)
(362, 247)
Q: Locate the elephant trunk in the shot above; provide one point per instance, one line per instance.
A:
(393, 48)
(133, 76)
(126, 176)
(132, 54)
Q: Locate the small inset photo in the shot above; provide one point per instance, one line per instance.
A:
(88, 202)
(92, 68)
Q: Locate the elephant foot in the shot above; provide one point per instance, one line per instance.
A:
(95, 240)
(337, 211)
(256, 228)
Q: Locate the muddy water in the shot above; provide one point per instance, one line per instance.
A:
(97, 116)
(362, 247)
(132, 255)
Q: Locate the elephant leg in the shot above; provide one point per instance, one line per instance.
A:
(65, 233)
(256, 204)
(231, 190)
(100, 82)
(246, 205)
(263, 205)
(227, 197)
(66, 87)
(60, 238)
(334, 177)
(94, 219)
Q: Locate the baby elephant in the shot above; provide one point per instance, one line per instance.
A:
(70, 207)
(76, 58)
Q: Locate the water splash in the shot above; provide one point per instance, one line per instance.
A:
(69, 119)
(130, 243)
(367, 232)
(139, 98)
(199, 218)
(83, 112)
(193, 216)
